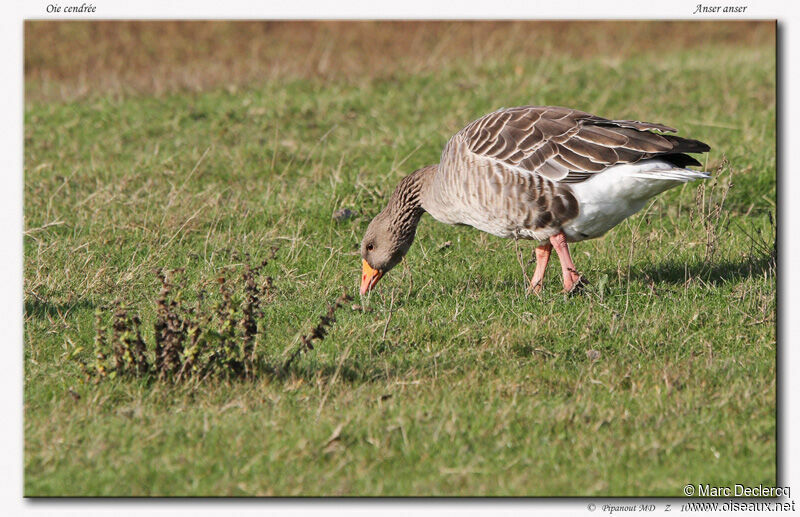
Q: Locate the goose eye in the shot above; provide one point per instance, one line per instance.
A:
(369, 247)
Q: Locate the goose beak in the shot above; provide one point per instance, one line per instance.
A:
(369, 277)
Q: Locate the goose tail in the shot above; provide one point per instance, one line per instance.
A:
(676, 174)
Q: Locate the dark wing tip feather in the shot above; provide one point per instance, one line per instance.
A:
(680, 160)
(687, 145)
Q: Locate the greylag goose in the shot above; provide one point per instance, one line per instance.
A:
(550, 174)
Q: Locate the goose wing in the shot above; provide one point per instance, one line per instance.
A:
(568, 145)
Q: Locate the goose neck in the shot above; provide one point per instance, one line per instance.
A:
(408, 198)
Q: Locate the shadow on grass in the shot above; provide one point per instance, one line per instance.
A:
(679, 273)
(346, 373)
(39, 308)
(355, 369)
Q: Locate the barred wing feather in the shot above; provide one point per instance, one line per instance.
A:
(568, 145)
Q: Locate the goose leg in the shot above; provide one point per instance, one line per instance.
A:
(542, 256)
(572, 279)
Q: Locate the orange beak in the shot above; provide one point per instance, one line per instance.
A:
(369, 277)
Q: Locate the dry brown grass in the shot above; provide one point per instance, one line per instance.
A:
(67, 60)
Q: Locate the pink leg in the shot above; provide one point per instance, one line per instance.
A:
(542, 256)
(571, 277)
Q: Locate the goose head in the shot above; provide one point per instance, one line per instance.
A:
(391, 232)
(384, 245)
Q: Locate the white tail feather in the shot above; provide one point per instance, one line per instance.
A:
(682, 175)
(619, 192)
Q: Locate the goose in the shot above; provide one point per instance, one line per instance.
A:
(549, 174)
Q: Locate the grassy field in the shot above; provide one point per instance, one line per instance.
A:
(453, 381)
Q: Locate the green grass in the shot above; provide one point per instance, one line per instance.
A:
(456, 383)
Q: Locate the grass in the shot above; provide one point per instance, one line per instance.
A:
(453, 381)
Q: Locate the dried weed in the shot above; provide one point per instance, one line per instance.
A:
(217, 337)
